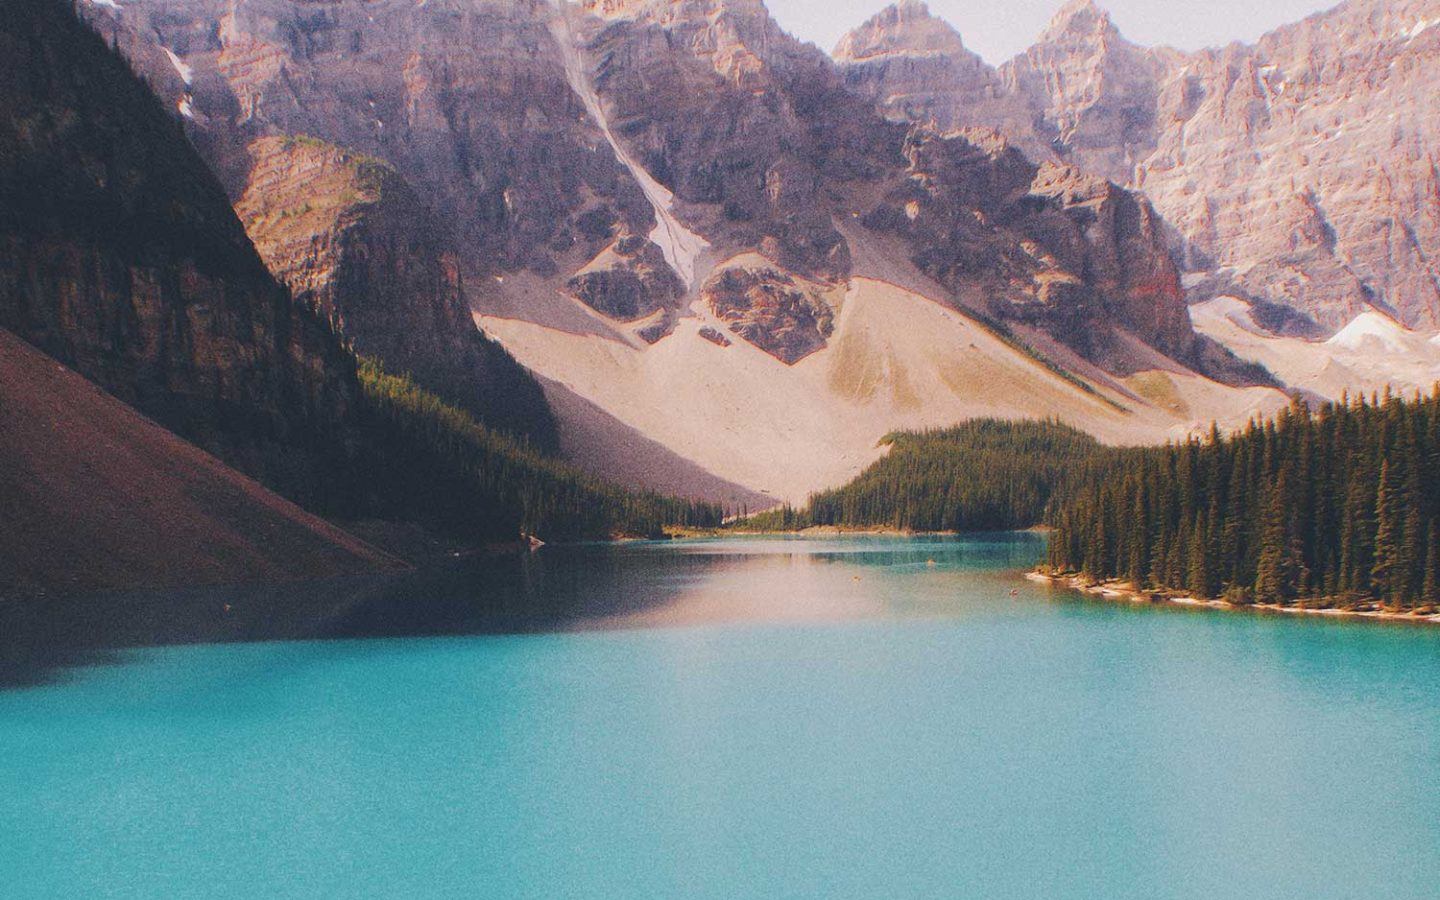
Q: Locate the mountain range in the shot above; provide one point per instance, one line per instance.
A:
(717, 257)
(1298, 172)
(667, 241)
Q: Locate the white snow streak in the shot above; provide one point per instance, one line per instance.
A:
(186, 73)
(1421, 27)
(681, 246)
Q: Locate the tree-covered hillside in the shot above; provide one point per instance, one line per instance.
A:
(1338, 505)
(426, 461)
(984, 475)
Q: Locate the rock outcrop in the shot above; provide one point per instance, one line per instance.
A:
(1298, 171)
(628, 281)
(1042, 245)
(351, 238)
(770, 310)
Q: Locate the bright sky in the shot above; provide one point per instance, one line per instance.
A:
(999, 30)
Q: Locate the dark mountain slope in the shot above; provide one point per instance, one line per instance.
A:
(95, 496)
(121, 257)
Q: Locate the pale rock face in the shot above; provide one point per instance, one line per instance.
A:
(1307, 163)
(1091, 91)
(1300, 170)
(915, 68)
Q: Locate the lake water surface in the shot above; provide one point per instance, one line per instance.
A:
(860, 717)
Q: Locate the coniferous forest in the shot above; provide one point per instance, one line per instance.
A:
(1337, 506)
(432, 463)
(983, 475)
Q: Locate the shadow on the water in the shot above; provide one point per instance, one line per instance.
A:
(558, 589)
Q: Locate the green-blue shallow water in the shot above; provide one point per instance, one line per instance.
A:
(740, 718)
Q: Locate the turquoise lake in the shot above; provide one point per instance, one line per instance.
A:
(858, 717)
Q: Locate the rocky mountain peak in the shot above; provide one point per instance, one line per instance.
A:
(1078, 19)
(914, 66)
(737, 38)
(1093, 92)
(907, 27)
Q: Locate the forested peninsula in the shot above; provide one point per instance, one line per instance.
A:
(1334, 507)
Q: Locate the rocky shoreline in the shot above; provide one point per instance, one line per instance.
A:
(1124, 591)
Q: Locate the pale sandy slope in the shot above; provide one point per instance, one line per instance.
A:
(896, 361)
(1371, 352)
(690, 416)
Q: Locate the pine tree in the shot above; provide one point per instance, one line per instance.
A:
(1135, 544)
(1388, 570)
(1199, 580)
(1412, 556)
(1232, 531)
(1271, 576)
(1430, 585)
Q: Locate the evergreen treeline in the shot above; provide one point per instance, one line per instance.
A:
(429, 462)
(1338, 506)
(984, 475)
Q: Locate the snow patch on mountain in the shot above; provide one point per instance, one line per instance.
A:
(1370, 353)
(1373, 331)
(1420, 27)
